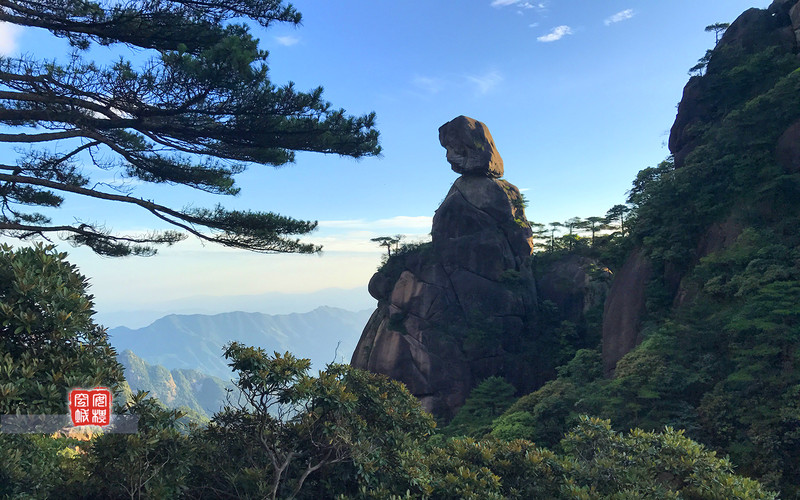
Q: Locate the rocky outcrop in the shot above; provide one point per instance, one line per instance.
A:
(575, 285)
(702, 102)
(445, 309)
(706, 100)
(470, 148)
(624, 309)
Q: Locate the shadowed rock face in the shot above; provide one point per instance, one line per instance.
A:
(474, 275)
(575, 285)
(788, 148)
(625, 309)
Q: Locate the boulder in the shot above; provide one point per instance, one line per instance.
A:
(470, 148)
(380, 286)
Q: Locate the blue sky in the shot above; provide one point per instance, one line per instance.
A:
(579, 95)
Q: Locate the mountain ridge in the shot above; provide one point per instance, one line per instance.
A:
(273, 303)
(178, 388)
(195, 341)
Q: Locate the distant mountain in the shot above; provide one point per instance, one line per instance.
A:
(175, 388)
(355, 299)
(195, 341)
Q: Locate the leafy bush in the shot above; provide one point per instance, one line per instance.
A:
(49, 342)
(487, 401)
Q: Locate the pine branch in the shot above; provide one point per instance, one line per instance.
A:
(239, 230)
(194, 114)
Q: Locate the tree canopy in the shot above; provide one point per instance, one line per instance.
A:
(49, 342)
(195, 114)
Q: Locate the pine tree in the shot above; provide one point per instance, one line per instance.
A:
(196, 114)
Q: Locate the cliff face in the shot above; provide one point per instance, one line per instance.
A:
(752, 32)
(449, 311)
(758, 49)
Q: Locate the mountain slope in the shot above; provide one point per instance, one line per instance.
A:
(175, 388)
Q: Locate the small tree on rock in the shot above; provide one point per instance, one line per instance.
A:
(718, 29)
(389, 242)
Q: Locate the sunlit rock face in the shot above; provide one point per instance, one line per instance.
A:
(475, 276)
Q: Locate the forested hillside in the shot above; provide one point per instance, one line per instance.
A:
(190, 391)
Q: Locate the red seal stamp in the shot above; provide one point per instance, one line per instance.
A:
(90, 407)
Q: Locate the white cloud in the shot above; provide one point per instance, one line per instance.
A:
(486, 82)
(533, 25)
(557, 33)
(8, 38)
(353, 236)
(431, 85)
(520, 4)
(619, 16)
(287, 41)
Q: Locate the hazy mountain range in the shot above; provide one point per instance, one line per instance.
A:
(196, 341)
(355, 299)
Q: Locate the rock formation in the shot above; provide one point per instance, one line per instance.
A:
(755, 29)
(776, 28)
(470, 148)
(576, 285)
(624, 309)
(449, 311)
